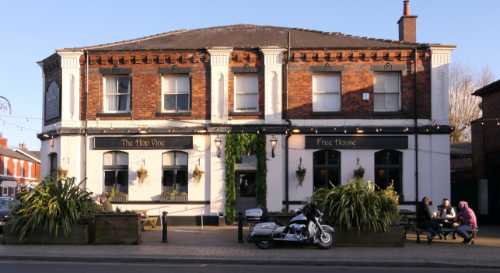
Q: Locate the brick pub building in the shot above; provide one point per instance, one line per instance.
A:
(328, 102)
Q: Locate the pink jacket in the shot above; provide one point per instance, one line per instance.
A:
(467, 215)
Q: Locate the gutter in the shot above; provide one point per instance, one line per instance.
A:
(415, 123)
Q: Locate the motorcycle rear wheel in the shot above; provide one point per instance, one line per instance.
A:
(325, 240)
(264, 244)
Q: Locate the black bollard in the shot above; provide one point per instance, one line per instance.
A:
(240, 227)
(164, 236)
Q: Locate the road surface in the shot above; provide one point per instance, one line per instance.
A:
(69, 267)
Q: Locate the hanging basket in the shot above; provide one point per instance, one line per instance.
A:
(142, 174)
(62, 173)
(300, 173)
(197, 174)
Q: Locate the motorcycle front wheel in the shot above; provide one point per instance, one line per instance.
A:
(264, 244)
(325, 240)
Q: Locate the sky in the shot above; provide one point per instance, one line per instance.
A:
(32, 30)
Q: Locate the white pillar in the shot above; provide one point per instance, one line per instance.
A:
(70, 89)
(219, 70)
(440, 83)
(217, 175)
(276, 171)
(273, 70)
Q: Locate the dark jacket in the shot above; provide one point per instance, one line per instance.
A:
(424, 216)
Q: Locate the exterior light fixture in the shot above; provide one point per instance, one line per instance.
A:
(274, 142)
(143, 131)
(296, 131)
(359, 130)
(218, 143)
(202, 131)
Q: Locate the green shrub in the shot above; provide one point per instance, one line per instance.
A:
(357, 205)
(52, 207)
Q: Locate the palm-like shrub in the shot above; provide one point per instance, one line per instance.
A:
(357, 205)
(52, 207)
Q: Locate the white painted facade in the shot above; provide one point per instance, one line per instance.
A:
(75, 152)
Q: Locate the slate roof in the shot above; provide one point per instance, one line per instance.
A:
(492, 87)
(248, 36)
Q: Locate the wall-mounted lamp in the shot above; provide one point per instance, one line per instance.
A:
(274, 142)
(218, 143)
(296, 131)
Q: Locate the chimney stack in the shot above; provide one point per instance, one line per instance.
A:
(407, 25)
(3, 141)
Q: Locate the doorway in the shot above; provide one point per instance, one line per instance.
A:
(246, 186)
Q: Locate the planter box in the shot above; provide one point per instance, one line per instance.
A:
(116, 229)
(394, 237)
(79, 236)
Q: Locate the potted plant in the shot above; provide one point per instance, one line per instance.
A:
(300, 173)
(197, 174)
(142, 173)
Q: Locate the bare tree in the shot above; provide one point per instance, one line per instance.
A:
(464, 107)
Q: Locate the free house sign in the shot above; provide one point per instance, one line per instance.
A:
(143, 143)
(357, 142)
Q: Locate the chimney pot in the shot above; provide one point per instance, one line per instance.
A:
(406, 10)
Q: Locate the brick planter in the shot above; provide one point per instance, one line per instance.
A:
(116, 229)
(79, 236)
(393, 237)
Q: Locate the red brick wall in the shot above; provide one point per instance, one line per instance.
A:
(357, 77)
(146, 82)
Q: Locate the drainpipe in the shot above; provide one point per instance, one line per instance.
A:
(415, 122)
(85, 134)
(287, 135)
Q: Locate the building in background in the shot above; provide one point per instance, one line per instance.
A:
(463, 182)
(19, 168)
(144, 116)
(486, 152)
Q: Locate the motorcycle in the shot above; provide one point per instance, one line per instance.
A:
(304, 228)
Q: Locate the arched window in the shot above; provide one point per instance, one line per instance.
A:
(389, 169)
(52, 102)
(326, 164)
(175, 176)
(115, 166)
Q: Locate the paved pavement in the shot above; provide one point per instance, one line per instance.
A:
(218, 245)
(51, 267)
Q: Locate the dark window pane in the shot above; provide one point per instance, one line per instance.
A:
(181, 180)
(333, 157)
(247, 185)
(319, 158)
(183, 102)
(122, 102)
(109, 178)
(123, 83)
(168, 178)
(169, 102)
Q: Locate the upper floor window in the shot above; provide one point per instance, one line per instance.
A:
(246, 93)
(176, 93)
(52, 102)
(116, 94)
(326, 92)
(387, 90)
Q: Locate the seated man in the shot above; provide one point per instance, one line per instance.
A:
(425, 219)
(468, 222)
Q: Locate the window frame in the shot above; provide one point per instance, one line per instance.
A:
(164, 93)
(175, 168)
(326, 165)
(315, 92)
(388, 166)
(116, 168)
(57, 117)
(385, 92)
(245, 93)
(53, 167)
(116, 93)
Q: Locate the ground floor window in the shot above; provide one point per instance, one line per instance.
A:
(326, 165)
(53, 165)
(116, 172)
(175, 176)
(389, 170)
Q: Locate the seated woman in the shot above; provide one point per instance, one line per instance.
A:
(425, 219)
(468, 222)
